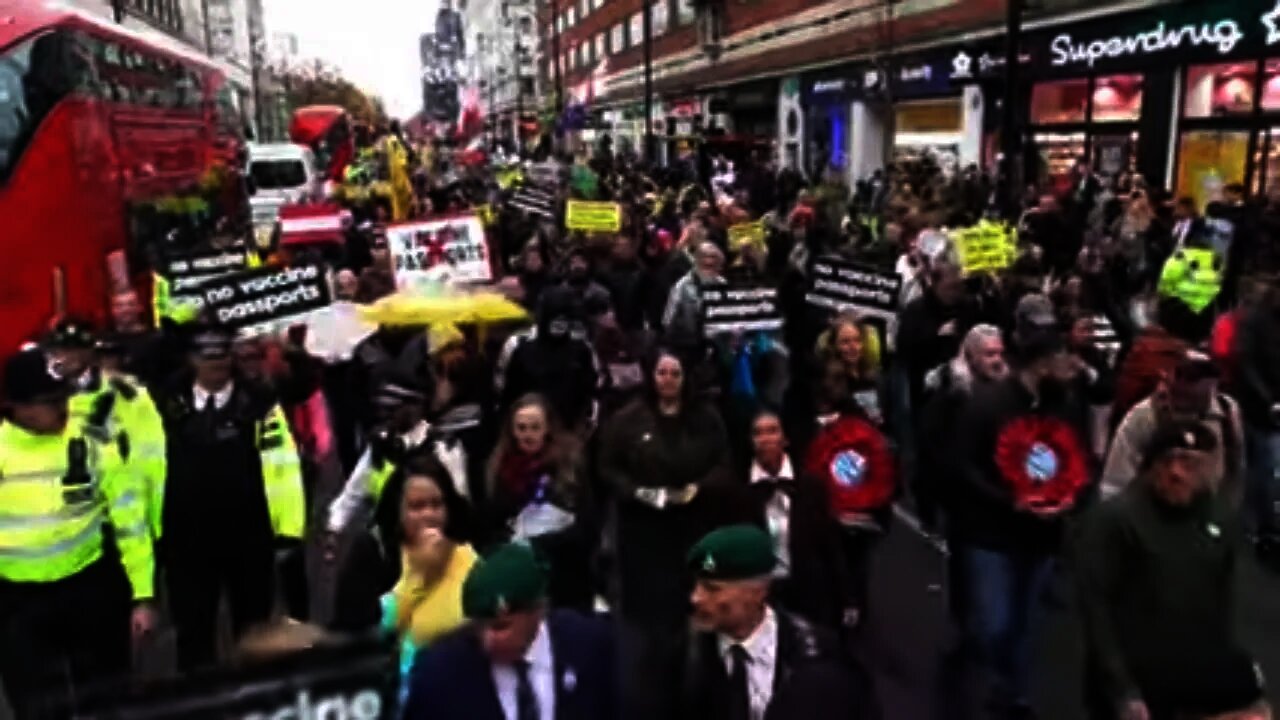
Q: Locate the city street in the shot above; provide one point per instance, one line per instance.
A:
(910, 636)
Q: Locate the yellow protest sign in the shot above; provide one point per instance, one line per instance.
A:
(985, 247)
(744, 234)
(593, 216)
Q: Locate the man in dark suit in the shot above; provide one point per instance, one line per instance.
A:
(747, 661)
(517, 661)
(811, 578)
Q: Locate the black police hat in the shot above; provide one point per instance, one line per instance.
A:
(28, 379)
(71, 334)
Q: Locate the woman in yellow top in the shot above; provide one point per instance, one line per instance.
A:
(406, 573)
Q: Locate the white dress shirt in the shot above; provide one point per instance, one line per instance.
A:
(762, 662)
(777, 513)
(542, 676)
(220, 398)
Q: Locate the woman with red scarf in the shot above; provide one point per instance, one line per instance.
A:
(538, 493)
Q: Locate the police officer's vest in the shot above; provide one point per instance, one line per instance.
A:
(56, 494)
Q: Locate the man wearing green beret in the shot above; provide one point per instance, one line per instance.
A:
(517, 660)
(749, 661)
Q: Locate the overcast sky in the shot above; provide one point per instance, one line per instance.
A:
(374, 42)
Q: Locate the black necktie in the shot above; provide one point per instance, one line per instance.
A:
(526, 699)
(739, 688)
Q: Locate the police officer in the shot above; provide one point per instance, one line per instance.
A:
(64, 603)
(400, 402)
(112, 405)
(233, 496)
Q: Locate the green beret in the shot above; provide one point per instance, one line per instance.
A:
(510, 579)
(736, 552)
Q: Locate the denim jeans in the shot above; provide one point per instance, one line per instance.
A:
(1003, 591)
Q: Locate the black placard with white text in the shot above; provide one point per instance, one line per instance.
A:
(727, 309)
(254, 297)
(838, 285)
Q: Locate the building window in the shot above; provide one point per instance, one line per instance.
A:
(595, 4)
(572, 14)
(1271, 86)
(686, 12)
(583, 8)
(619, 39)
(600, 48)
(1117, 98)
(1065, 101)
(526, 25)
(637, 30)
(661, 17)
(1218, 90)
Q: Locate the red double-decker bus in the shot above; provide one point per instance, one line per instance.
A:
(105, 135)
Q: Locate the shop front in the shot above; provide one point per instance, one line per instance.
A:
(1187, 95)
(828, 104)
(928, 110)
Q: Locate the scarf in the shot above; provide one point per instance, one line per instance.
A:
(519, 474)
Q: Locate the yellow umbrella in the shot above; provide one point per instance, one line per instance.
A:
(444, 306)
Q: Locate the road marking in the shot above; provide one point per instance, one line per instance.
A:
(913, 522)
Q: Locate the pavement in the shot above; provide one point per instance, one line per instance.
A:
(909, 643)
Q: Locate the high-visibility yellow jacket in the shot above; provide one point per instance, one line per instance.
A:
(52, 517)
(134, 425)
(282, 475)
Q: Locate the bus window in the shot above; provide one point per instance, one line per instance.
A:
(34, 76)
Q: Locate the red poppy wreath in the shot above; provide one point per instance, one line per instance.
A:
(1042, 460)
(854, 459)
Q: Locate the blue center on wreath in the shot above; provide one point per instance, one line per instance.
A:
(1042, 463)
(849, 468)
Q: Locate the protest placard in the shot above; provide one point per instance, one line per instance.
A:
(751, 233)
(182, 275)
(838, 285)
(264, 295)
(740, 309)
(454, 246)
(535, 201)
(985, 247)
(593, 216)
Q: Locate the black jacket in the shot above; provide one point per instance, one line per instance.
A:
(1156, 589)
(920, 346)
(1258, 381)
(984, 508)
(813, 680)
(215, 497)
(453, 678)
(818, 586)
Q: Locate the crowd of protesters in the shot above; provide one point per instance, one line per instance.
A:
(1081, 413)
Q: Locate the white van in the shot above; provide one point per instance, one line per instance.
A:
(281, 174)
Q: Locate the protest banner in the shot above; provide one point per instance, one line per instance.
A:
(838, 285)
(985, 247)
(727, 309)
(204, 264)
(353, 679)
(593, 216)
(455, 247)
(751, 233)
(265, 295)
(535, 201)
(181, 276)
